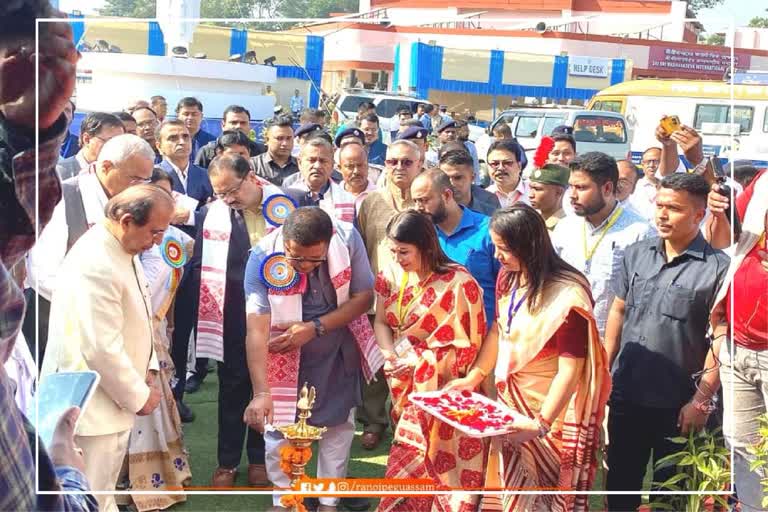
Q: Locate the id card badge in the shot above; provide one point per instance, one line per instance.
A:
(404, 349)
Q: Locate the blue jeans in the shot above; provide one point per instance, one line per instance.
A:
(745, 394)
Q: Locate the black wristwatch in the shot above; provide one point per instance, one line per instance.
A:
(319, 329)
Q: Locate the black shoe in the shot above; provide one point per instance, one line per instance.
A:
(185, 413)
(355, 504)
(193, 383)
(312, 504)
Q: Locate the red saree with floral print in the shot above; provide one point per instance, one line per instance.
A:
(444, 323)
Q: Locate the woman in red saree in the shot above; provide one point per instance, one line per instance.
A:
(549, 366)
(429, 324)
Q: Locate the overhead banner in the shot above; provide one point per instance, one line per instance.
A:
(589, 66)
(703, 61)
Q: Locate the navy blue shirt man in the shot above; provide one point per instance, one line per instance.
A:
(463, 233)
(377, 150)
(457, 164)
(665, 374)
(190, 111)
(174, 143)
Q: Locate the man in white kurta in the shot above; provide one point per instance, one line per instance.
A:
(125, 160)
(101, 320)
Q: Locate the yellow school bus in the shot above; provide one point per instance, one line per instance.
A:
(704, 105)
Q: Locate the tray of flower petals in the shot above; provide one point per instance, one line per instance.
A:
(471, 413)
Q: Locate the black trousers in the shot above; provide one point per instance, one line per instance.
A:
(235, 393)
(185, 321)
(28, 327)
(633, 433)
(201, 366)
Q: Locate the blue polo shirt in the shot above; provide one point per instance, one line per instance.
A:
(377, 152)
(470, 245)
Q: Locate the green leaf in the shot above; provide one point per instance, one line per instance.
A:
(687, 460)
(677, 440)
(665, 486)
(721, 501)
(674, 479)
(669, 460)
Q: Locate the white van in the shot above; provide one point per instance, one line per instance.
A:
(593, 130)
(387, 105)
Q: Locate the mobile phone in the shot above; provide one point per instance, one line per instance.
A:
(670, 124)
(57, 393)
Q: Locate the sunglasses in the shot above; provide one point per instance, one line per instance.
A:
(502, 163)
(405, 162)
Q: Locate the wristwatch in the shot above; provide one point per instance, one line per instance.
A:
(319, 329)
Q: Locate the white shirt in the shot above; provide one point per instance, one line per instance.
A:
(643, 199)
(181, 174)
(81, 160)
(430, 158)
(605, 265)
(519, 195)
(47, 255)
(183, 178)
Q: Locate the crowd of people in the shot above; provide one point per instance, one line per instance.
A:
(590, 296)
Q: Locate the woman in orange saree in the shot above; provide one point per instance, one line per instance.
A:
(549, 366)
(429, 324)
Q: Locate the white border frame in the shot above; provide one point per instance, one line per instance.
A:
(343, 493)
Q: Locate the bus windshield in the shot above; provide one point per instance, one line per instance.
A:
(596, 128)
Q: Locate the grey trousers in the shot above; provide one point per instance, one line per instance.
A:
(745, 394)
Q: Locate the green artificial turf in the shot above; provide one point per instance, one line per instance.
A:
(201, 440)
(201, 437)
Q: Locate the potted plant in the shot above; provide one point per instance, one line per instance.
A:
(703, 464)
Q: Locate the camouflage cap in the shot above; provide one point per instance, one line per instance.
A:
(551, 174)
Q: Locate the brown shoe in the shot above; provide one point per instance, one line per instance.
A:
(224, 477)
(257, 475)
(371, 440)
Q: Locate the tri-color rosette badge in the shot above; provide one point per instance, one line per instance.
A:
(277, 273)
(277, 208)
(173, 252)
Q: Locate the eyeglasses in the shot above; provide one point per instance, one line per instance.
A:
(405, 162)
(138, 180)
(305, 260)
(297, 259)
(500, 163)
(224, 195)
